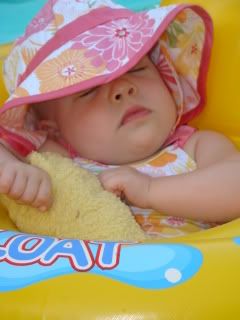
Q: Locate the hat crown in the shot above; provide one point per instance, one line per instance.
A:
(54, 16)
(72, 45)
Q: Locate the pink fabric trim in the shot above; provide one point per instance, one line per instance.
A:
(73, 29)
(180, 136)
(71, 151)
(22, 146)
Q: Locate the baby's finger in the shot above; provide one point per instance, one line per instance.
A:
(31, 191)
(108, 175)
(43, 200)
(112, 183)
(18, 186)
(7, 178)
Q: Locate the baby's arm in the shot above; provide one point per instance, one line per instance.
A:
(23, 182)
(210, 193)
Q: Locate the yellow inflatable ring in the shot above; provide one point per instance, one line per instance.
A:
(193, 277)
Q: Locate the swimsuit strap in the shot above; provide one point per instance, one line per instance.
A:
(180, 136)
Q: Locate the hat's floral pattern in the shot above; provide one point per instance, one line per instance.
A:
(119, 40)
(21, 92)
(183, 43)
(69, 68)
(10, 72)
(14, 118)
(40, 21)
(173, 32)
(104, 49)
(28, 54)
(171, 79)
(191, 51)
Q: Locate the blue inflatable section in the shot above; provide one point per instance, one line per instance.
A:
(27, 259)
(16, 14)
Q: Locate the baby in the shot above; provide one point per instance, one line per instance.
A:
(114, 89)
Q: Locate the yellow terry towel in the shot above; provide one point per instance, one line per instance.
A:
(81, 208)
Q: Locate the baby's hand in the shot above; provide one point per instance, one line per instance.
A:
(26, 184)
(127, 183)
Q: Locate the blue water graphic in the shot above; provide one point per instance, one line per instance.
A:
(26, 259)
(237, 240)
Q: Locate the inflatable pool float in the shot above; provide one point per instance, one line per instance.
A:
(192, 277)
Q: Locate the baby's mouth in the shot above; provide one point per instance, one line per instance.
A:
(134, 113)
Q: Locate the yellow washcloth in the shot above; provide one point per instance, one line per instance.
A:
(81, 208)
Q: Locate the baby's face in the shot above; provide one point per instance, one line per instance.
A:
(124, 121)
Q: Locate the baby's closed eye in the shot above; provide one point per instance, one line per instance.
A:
(87, 92)
(137, 69)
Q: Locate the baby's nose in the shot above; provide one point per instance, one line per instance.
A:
(122, 89)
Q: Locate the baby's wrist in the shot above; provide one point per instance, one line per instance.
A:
(156, 193)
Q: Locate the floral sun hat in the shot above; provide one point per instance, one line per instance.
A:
(72, 45)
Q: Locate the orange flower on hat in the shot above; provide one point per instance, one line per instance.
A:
(69, 68)
(182, 16)
(28, 54)
(21, 92)
(188, 61)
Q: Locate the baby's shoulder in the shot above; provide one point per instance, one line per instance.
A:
(208, 145)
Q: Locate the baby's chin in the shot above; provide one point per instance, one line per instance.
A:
(133, 150)
(131, 157)
(145, 149)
